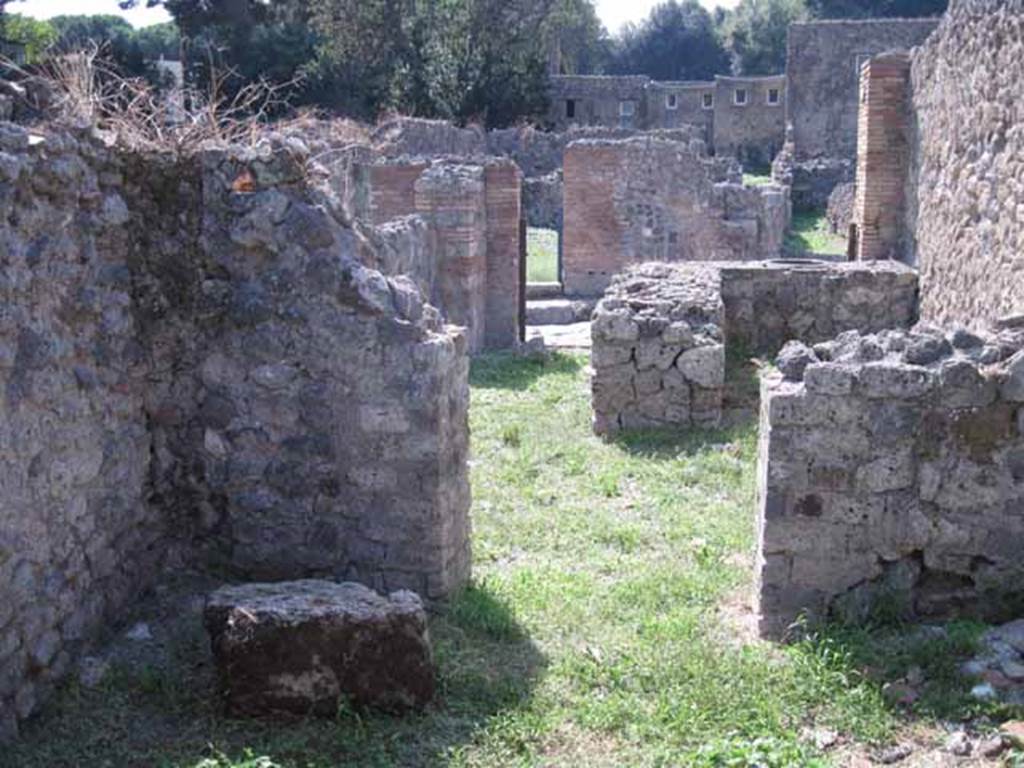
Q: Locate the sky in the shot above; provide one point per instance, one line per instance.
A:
(614, 13)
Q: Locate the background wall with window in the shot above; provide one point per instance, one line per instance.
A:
(750, 118)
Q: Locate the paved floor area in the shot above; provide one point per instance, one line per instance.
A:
(572, 336)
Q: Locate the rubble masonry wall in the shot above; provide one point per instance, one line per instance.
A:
(662, 332)
(197, 365)
(891, 479)
(966, 207)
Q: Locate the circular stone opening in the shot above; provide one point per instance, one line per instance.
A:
(796, 261)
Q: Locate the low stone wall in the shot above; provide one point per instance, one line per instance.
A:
(891, 479)
(661, 332)
(644, 199)
(658, 352)
(770, 303)
(198, 362)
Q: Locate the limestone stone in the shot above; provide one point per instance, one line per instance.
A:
(884, 481)
(310, 647)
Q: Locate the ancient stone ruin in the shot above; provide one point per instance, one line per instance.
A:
(648, 199)
(889, 466)
(662, 333)
(823, 62)
(890, 479)
(197, 363)
(254, 360)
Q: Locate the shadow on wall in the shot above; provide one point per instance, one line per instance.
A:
(495, 371)
(159, 705)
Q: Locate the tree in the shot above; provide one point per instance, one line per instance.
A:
(755, 34)
(676, 42)
(574, 30)
(459, 59)
(131, 51)
(853, 9)
(37, 36)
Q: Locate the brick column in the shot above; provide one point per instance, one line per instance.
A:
(883, 154)
(451, 198)
(503, 199)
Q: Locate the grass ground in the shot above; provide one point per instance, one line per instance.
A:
(541, 256)
(809, 233)
(604, 627)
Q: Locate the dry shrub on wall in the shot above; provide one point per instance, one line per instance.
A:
(84, 88)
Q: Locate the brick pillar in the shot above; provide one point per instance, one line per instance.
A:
(883, 153)
(503, 199)
(451, 198)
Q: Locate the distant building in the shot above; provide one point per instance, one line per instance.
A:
(14, 51)
(741, 116)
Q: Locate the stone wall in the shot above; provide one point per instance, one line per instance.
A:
(646, 199)
(882, 157)
(966, 202)
(662, 332)
(891, 481)
(198, 362)
(77, 537)
(686, 108)
(417, 137)
(752, 132)
(658, 354)
(472, 209)
(823, 66)
(770, 303)
(597, 100)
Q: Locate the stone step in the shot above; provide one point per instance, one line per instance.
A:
(543, 291)
(558, 311)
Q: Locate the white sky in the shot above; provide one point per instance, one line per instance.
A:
(614, 13)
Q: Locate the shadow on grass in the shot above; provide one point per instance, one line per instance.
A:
(503, 370)
(669, 443)
(487, 670)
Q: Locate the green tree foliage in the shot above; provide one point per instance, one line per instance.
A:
(574, 30)
(132, 50)
(37, 36)
(463, 59)
(676, 42)
(855, 9)
(755, 34)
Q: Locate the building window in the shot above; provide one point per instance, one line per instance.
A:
(570, 108)
(627, 108)
(671, 101)
(773, 97)
(708, 100)
(740, 97)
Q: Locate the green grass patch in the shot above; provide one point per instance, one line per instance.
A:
(541, 256)
(597, 630)
(809, 233)
(757, 179)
